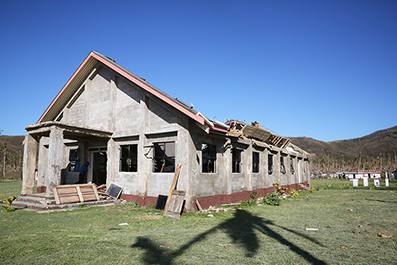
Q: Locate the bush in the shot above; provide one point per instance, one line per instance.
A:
(273, 198)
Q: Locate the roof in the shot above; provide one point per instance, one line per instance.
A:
(89, 66)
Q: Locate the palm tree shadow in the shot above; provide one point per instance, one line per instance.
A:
(242, 229)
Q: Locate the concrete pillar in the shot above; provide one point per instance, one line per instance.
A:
(55, 155)
(277, 171)
(42, 161)
(288, 163)
(299, 171)
(186, 153)
(247, 170)
(264, 169)
(112, 165)
(227, 164)
(29, 164)
(144, 163)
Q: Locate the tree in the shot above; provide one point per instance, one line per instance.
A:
(4, 162)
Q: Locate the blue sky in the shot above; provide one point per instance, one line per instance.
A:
(320, 69)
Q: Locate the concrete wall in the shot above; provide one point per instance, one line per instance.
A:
(110, 103)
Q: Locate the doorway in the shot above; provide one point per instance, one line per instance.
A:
(98, 166)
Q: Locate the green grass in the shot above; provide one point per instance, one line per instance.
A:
(252, 235)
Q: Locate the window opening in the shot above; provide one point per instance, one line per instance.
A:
(291, 162)
(255, 162)
(208, 158)
(164, 157)
(282, 167)
(129, 158)
(236, 160)
(270, 164)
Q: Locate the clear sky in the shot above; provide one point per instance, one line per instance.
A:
(320, 69)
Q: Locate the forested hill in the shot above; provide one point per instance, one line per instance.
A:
(375, 151)
(14, 143)
(379, 147)
(11, 149)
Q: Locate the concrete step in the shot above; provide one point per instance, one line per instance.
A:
(42, 203)
(36, 199)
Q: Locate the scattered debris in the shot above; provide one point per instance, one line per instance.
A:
(311, 229)
(123, 224)
(210, 215)
(384, 236)
(343, 247)
(350, 210)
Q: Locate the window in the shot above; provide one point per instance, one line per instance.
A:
(129, 158)
(164, 157)
(291, 163)
(270, 164)
(282, 167)
(255, 162)
(236, 160)
(208, 158)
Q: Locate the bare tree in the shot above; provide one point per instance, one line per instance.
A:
(4, 161)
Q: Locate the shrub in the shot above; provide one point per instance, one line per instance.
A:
(273, 198)
(294, 193)
(8, 201)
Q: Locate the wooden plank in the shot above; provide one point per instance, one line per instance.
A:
(174, 181)
(67, 190)
(70, 199)
(80, 194)
(175, 206)
(57, 201)
(199, 206)
(75, 193)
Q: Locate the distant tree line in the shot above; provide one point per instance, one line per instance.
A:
(11, 166)
(386, 162)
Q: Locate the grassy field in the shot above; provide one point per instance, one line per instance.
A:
(348, 222)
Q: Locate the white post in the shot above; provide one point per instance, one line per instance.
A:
(365, 182)
(355, 182)
(376, 182)
(386, 180)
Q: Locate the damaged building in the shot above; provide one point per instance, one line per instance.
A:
(135, 135)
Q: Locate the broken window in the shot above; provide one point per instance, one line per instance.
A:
(129, 158)
(270, 164)
(255, 162)
(282, 167)
(236, 160)
(208, 158)
(291, 162)
(164, 157)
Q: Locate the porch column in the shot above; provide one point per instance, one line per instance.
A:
(55, 154)
(29, 164)
(42, 163)
(277, 170)
(265, 169)
(247, 168)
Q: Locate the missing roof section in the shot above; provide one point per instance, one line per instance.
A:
(257, 132)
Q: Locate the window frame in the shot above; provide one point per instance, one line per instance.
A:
(129, 159)
(291, 165)
(282, 166)
(236, 160)
(160, 155)
(270, 166)
(209, 157)
(255, 162)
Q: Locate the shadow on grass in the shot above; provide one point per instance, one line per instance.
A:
(241, 228)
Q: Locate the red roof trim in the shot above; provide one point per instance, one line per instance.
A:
(64, 87)
(148, 88)
(197, 118)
